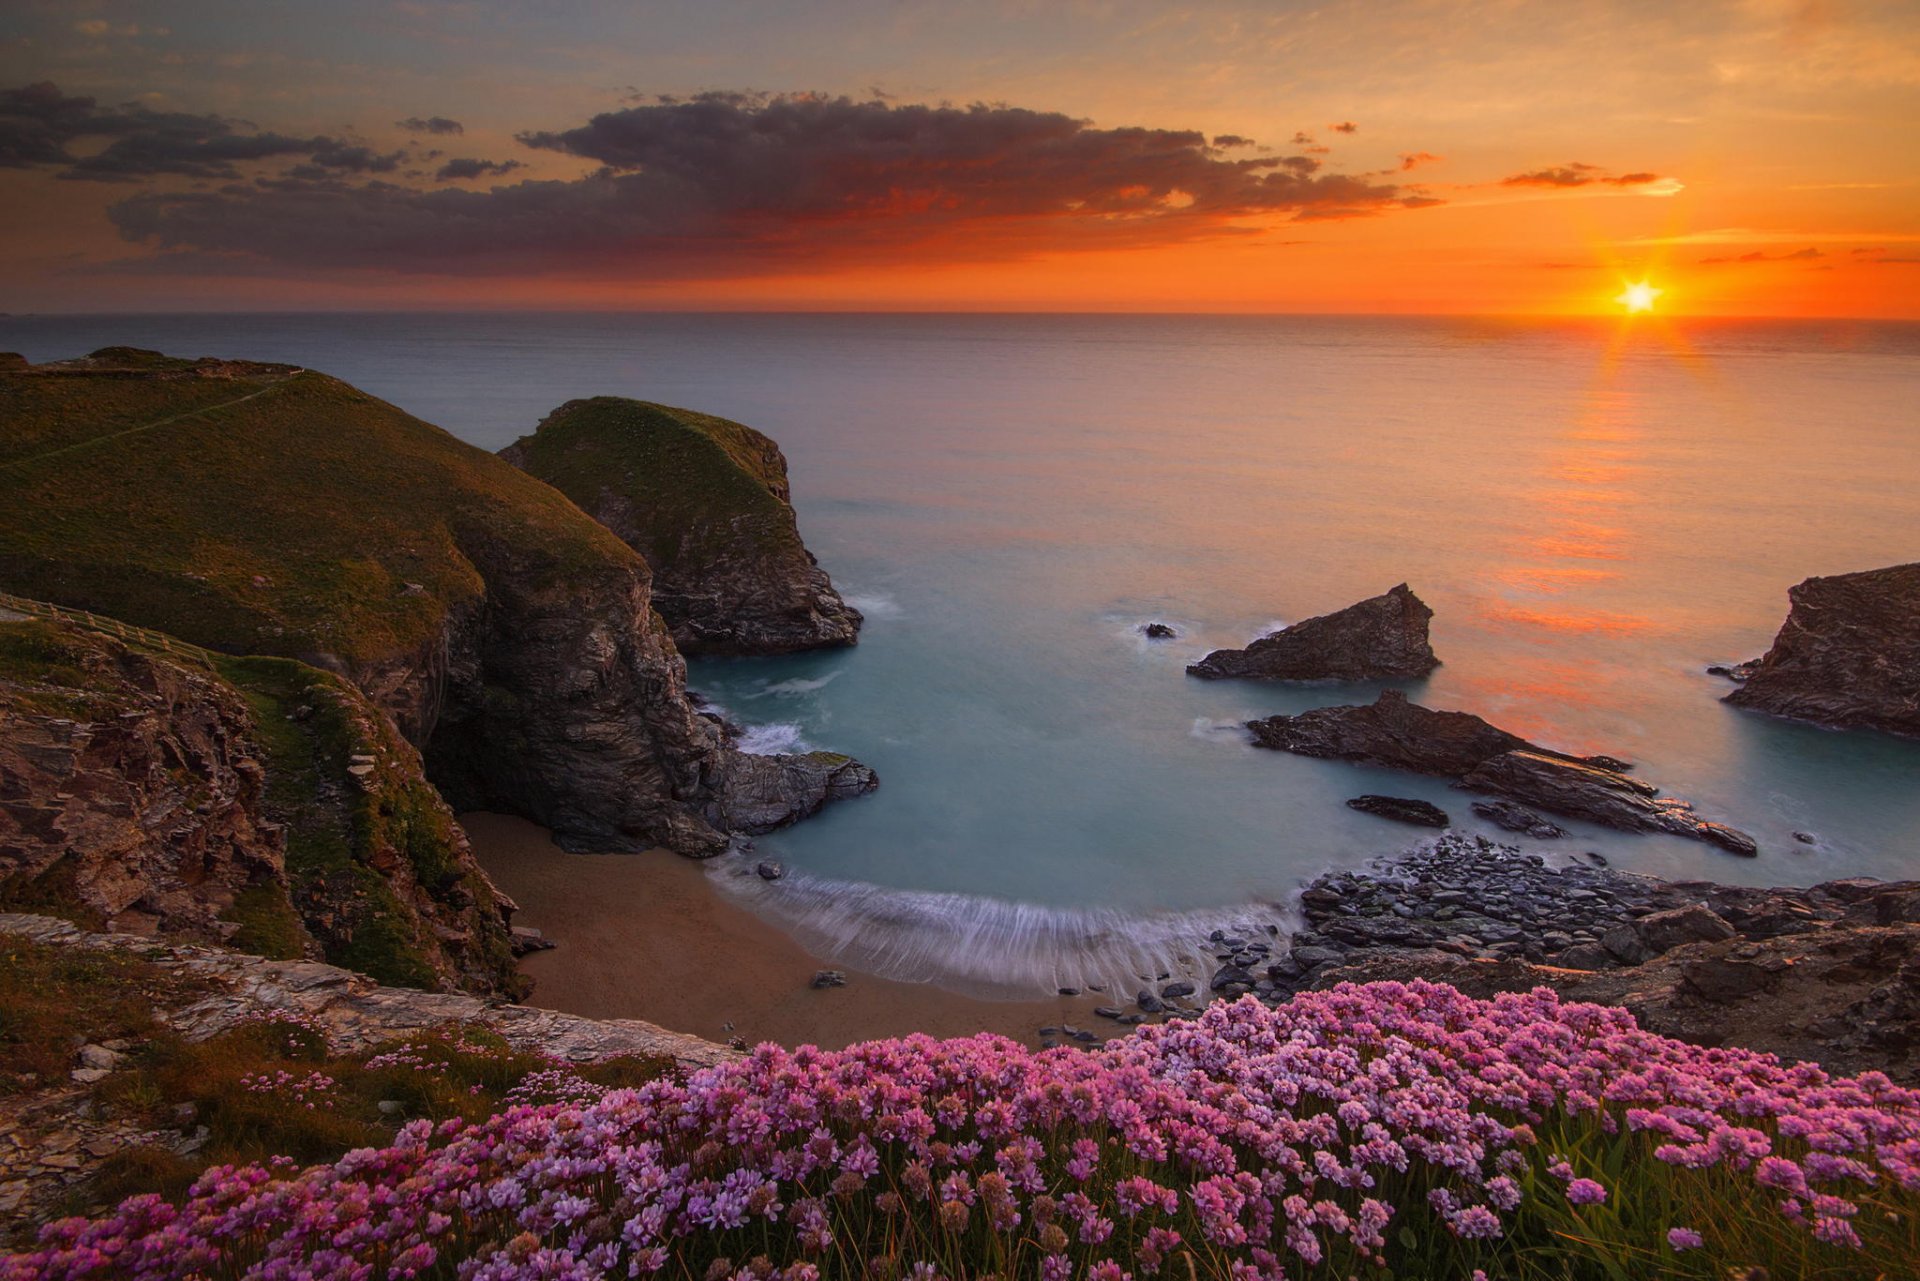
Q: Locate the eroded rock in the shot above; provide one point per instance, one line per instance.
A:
(1381, 638)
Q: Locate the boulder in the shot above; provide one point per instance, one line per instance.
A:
(1382, 638)
(1695, 923)
(1158, 631)
(1576, 789)
(1401, 809)
(1515, 817)
(1848, 655)
(1390, 731)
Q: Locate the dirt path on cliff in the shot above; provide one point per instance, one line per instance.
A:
(644, 936)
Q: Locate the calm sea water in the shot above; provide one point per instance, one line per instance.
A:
(1595, 511)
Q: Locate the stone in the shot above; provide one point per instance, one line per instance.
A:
(1585, 956)
(1228, 976)
(1695, 923)
(1515, 817)
(770, 870)
(89, 1076)
(829, 978)
(1578, 789)
(1400, 809)
(1848, 655)
(1158, 631)
(1381, 638)
(1390, 731)
(1624, 944)
(1722, 979)
(1108, 1011)
(1176, 990)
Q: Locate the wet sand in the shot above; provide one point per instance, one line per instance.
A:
(646, 936)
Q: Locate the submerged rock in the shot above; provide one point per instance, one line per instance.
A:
(1158, 631)
(1579, 790)
(1515, 817)
(1381, 638)
(1400, 809)
(1848, 655)
(705, 502)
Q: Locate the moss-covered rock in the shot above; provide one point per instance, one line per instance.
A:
(257, 802)
(705, 501)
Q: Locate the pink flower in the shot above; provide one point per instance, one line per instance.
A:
(1684, 1239)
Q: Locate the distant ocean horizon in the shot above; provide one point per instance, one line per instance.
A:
(1596, 510)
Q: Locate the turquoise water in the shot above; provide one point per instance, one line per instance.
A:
(1594, 511)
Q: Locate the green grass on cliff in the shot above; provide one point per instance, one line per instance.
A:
(276, 513)
(345, 843)
(684, 480)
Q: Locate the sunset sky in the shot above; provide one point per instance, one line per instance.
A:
(1757, 158)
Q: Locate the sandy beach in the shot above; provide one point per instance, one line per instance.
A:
(646, 936)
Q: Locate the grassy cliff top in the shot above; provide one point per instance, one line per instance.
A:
(262, 508)
(677, 480)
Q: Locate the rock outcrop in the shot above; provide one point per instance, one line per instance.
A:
(1477, 755)
(1612, 799)
(1848, 655)
(705, 502)
(1829, 973)
(270, 510)
(258, 803)
(1401, 809)
(1381, 638)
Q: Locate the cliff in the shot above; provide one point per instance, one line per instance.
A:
(705, 502)
(269, 510)
(1848, 655)
(149, 789)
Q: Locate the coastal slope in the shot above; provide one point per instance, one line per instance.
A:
(267, 509)
(705, 502)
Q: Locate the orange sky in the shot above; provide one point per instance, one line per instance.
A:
(1753, 158)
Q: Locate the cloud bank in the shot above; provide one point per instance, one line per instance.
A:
(721, 184)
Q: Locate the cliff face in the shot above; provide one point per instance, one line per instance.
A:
(253, 802)
(1381, 638)
(1847, 656)
(705, 501)
(266, 510)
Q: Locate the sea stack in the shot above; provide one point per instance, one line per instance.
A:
(705, 502)
(1381, 638)
(1848, 655)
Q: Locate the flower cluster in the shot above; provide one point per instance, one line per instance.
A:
(310, 1090)
(1247, 1143)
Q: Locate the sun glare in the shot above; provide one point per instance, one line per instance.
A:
(1638, 298)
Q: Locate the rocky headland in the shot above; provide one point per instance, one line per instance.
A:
(1381, 638)
(1479, 756)
(705, 502)
(1848, 655)
(265, 509)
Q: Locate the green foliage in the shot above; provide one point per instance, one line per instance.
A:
(678, 484)
(272, 1087)
(276, 514)
(268, 924)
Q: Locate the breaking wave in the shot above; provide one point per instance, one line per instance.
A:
(778, 738)
(992, 947)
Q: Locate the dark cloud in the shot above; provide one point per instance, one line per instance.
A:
(355, 158)
(466, 167)
(1345, 126)
(1575, 174)
(734, 184)
(38, 123)
(1224, 140)
(432, 124)
(1414, 159)
(1799, 255)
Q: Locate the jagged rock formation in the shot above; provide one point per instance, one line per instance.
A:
(1847, 656)
(705, 502)
(1515, 817)
(1381, 638)
(254, 803)
(1458, 745)
(271, 510)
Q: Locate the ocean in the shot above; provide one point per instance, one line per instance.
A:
(1595, 509)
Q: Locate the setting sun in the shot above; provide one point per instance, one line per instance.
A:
(1637, 298)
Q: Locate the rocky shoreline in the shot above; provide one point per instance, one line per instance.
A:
(1829, 973)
